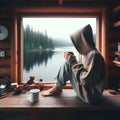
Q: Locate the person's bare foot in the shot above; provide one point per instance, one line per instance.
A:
(52, 91)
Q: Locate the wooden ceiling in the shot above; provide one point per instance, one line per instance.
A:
(68, 1)
(58, 2)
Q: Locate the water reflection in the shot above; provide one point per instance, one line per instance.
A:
(44, 65)
(36, 58)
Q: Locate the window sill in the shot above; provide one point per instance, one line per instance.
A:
(48, 85)
(45, 85)
(67, 99)
(66, 106)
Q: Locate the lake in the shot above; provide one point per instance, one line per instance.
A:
(45, 65)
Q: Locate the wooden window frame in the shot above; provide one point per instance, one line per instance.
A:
(19, 13)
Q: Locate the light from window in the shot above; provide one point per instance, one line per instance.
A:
(45, 40)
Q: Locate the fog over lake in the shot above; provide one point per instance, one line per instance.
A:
(45, 39)
(45, 64)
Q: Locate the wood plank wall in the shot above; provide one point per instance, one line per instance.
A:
(5, 45)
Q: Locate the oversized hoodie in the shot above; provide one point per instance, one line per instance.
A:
(90, 73)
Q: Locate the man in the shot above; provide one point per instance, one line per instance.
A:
(87, 76)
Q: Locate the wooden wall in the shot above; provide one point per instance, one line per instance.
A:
(5, 45)
(114, 38)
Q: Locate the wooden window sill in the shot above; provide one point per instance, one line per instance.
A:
(46, 85)
(67, 99)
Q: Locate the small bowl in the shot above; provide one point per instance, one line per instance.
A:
(18, 89)
(14, 85)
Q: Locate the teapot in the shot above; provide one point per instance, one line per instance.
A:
(4, 85)
(2, 89)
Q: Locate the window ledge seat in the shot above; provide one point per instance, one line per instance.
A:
(67, 99)
(67, 106)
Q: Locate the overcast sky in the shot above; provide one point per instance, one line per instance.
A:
(60, 28)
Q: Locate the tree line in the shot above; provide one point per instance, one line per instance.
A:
(36, 40)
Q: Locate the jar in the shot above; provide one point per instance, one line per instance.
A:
(118, 46)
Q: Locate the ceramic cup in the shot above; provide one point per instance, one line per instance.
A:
(14, 85)
(33, 95)
(69, 52)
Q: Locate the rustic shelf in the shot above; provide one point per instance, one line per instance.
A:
(116, 63)
(117, 53)
(116, 24)
(117, 9)
(115, 37)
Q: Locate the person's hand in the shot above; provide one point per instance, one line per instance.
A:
(68, 55)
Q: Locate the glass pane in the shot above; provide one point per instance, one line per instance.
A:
(45, 41)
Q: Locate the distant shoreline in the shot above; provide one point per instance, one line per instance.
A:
(39, 50)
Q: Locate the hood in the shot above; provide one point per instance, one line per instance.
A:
(83, 40)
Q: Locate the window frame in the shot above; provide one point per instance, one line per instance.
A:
(17, 55)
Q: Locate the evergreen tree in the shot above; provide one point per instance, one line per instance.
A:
(36, 40)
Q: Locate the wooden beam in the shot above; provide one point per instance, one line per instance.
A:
(60, 2)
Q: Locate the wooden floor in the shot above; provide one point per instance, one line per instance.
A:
(63, 107)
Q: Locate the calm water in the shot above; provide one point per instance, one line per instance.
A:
(45, 65)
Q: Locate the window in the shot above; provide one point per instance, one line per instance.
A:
(45, 39)
(97, 13)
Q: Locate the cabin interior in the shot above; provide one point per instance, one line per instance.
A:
(107, 13)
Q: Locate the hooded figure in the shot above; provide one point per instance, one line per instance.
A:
(86, 76)
(91, 71)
